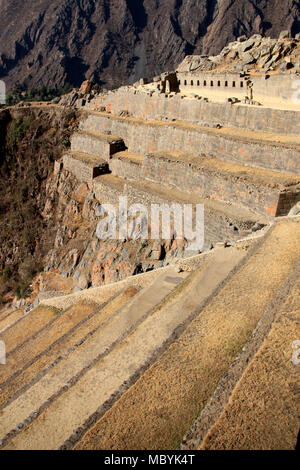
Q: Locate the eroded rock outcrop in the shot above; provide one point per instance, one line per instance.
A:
(80, 254)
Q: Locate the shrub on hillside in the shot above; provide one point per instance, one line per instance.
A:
(35, 94)
(17, 131)
(22, 290)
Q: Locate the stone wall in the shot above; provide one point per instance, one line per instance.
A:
(147, 137)
(85, 170)
(287, 201)
(78, 168)
(225, 186)
(157, 106)
(219, 83)
(107, 192)
(218, 226)
(279, 89)
(125, 168)
(100, 146)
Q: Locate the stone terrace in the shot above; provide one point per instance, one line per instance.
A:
(146, 104)
(161, 345)
(166, 358)
(241, 146)
(254, 170)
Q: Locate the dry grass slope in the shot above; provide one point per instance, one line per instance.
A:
(16, 384)
(28, 326)
(265, 417)
(156, 412)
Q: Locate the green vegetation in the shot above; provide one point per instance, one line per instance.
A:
(17, 278)
(35, 94)
(22, 290)
(18, 130)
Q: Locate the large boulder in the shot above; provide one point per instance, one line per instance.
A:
(284, 34)
(86, 87)
(232, 55)
(248, 59)
(295, 210)
(264, 60)
(246, 46)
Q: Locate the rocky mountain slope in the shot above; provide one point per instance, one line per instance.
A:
(25, 234)
(118, 41)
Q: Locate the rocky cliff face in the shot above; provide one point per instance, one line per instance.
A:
(78, 254)
(118, 41)
(30, 141)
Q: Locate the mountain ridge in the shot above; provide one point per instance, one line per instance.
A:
(116, 42)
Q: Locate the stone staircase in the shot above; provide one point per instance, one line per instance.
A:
(227, 170)
(222, 221)
(264, 191)
(242, 146)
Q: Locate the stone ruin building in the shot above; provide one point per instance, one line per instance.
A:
(201, 352)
